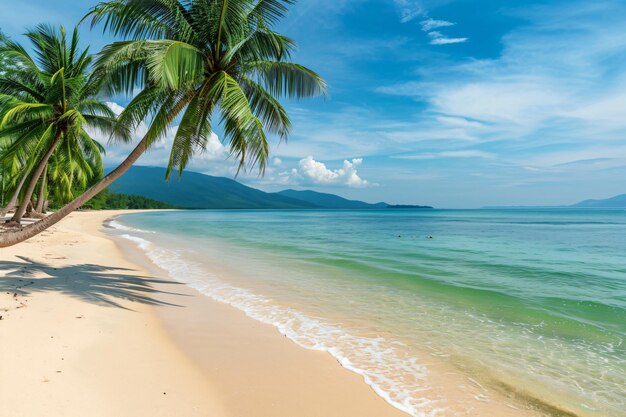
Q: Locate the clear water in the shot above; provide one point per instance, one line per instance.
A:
(531, 301)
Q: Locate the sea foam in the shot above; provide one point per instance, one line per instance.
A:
(115, 225)
(395, 376)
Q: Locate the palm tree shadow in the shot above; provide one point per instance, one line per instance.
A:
(96, 284)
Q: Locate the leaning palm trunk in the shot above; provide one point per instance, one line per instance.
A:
(13, 237)
(42, 192)
(12, 204)
(17, 217)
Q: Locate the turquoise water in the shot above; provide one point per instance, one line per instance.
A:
(525, 301)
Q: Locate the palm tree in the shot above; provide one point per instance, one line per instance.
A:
(70, 170)
(49, 100)
(6, 64)
(14, 175)
(196, 59)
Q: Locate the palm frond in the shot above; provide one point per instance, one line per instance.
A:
(288, 79)
(243, 130)
(20, 112)
(269, 11)
(174, 64)
(268, 109)
(193, 132)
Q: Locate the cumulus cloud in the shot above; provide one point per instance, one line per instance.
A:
(213, 159)
(310, 171)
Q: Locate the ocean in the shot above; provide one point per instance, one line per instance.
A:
(528, 306)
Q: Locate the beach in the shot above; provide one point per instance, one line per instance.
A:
(84, 332)
(120, 313)
(443, 237)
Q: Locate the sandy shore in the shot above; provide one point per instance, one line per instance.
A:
(86, 331)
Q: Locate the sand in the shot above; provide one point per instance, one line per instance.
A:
(89, 329)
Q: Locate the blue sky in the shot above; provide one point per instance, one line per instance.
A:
(454, 103)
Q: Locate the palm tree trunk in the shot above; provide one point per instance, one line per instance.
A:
(3, 182)
(17, 217)
(42, 191)
(16, 194)
(29, 209)
(13, 237)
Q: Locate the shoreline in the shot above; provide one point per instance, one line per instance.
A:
(280, 377)
(451, 382)
(99, 334)
(200, 356)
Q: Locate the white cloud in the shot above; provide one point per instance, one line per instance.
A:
(430, 24)
(551, 91)
(459, 122)
(518, 100)
(314, 172)
(592, 157)
(409, 10)
(214, 159)
(466, 153)
(117, 109)
(438, 38)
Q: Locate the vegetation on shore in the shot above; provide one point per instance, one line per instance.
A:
(193, 61)
(108, 200)
(49, 105)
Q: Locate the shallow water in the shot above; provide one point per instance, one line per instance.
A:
(526, 301)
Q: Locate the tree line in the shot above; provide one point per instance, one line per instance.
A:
(109, 200)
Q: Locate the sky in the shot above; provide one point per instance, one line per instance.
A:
(451, 103)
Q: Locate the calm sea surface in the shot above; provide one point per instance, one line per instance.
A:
(531, 302)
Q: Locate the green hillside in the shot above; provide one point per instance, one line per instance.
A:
(198, 191)
(329, 201)
(109, 200)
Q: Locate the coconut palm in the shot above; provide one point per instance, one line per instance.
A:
(10, 183)
(6, 64)
(14, 175)
(49, 101)
(196, 60)
(70, 170)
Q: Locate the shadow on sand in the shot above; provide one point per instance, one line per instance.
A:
(96, 284)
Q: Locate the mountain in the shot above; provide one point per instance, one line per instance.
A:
(613, 202)
(198, 191)
(619, 201)
(329, 201)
